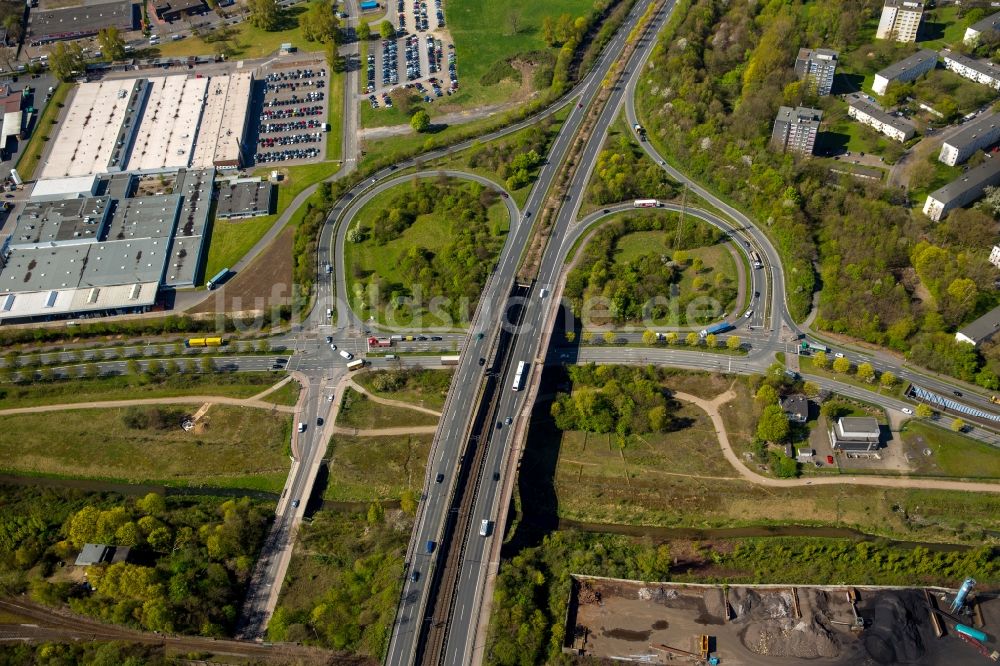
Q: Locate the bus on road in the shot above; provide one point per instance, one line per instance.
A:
(449, 360)
(356, 365)
(204, 342)
(522, 368)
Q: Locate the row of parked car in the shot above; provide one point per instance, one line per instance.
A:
(294, 85)
(284, 155)
(290, 139)
(274, 128)
(281, 114)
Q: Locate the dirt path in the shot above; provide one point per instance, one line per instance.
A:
(271, 389)
(711, 407)
(177, 400)
(392, 403)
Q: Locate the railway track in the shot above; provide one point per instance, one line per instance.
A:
(459, 524)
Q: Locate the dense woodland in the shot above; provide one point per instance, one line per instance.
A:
(112, 653)
(624, 172)
(886, 274)
(640, 288)
(192, 555)
(458, 270)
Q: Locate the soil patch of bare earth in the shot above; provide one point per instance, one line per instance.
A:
(761, 625)
(266, 284)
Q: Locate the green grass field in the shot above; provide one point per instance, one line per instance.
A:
(232, 239)
(483, 36)
(286, 395)
(123, 387)
(334, 138)
(364, 469)
(32, 153)
(358, 411)
(425, 388)
(230, 446)
(246, 40)
(952, 454)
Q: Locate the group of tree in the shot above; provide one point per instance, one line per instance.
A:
(455, 272)
(641, 287)
(614, 399)
(319, 23)
(196, 555)
(623, 172)
(89, 653)
(714, 84)
(264, 14)
(361, 555)
(516, 159)
(557, 31)
(66, 61)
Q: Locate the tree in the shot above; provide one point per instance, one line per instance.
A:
(264, 14)
(866, 372)
(610, 337)
(387, 30)
(820, 360)
(513, 21)
(337, 62)
(376, 514)
(206, 364)
(692, 339)
(91, 370)
(549, 31)
(152, 504)
(132, 367)
(811, 389)
(587, 337)
(171, 367)
(733, 342)
(649, 337)
(319, 23)
(773, 424)
(672, 338)
(887, 380)
(570, 336)
(841, 365)
(766, 395)
(154, 367)
(420, 121)
(958, 425)
(66, 62)
(408, 502)
(111, 43)
(364, 31)
(924, 411)
(711, 340)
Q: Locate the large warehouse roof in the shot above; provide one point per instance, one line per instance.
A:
(97, 130)
(44, 25)
(223, 122)
(169, 124)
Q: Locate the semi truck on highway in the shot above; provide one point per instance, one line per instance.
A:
(379, 342)
(715, 329)
(217, 279)
(808, 346)
(204, 342)
(645, 203)
(522, 368)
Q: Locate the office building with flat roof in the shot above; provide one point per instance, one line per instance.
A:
(905, 70)
(795, 129)
(817, 67)
(981, 27)
(980, 134)
(51, 25)
(900, 20)
(980, 71)
(66, 222)
(862, 109)
(963, 190)
(856, 434)
(245, 199)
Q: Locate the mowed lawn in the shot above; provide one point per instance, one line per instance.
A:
(952, 454)
(230, 446)
(246, 40)
(367, 469)
(358, 411)
(483, 36)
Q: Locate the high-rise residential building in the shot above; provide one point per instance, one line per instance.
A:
(900, 20)
(818, 67)
(795, 129)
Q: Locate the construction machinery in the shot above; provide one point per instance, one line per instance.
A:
(700, 657)
(979, 647)
(963, 593)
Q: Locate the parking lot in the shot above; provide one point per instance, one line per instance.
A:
(422, 58)
(292, 118)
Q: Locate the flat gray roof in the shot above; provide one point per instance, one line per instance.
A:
(897, 69)
(984, 327)
(984, 67)
(185, 256)
(972, 131)
(245, 199)
(859, 426)
(87, 265)
(144, 217)
(986, 24)
(862, 103)
(818, 54)
(977, 178)
(85, 19)
(66, 220)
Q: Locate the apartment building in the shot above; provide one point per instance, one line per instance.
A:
(963, 190)
(975, 31)
(866, 112)
(795, 129)
(905, 70)
(977, 135)
(980, 71)
(900, 20)
(818, 67)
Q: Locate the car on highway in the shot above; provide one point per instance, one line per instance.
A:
(415, 576)
(436, 338)
(430, 547)
(505, 195)
(439, 478)
(496, 476)
(749, 313)
(329, 339)
(958, 393)
(421, 338)
(482, 361)
(302, 426)
(839, 355)
(346, 354)
(333, 347)
(829, 460)
(295, 504)
(906, 410)
(508, 420)
(319, 420)
(756, 294)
